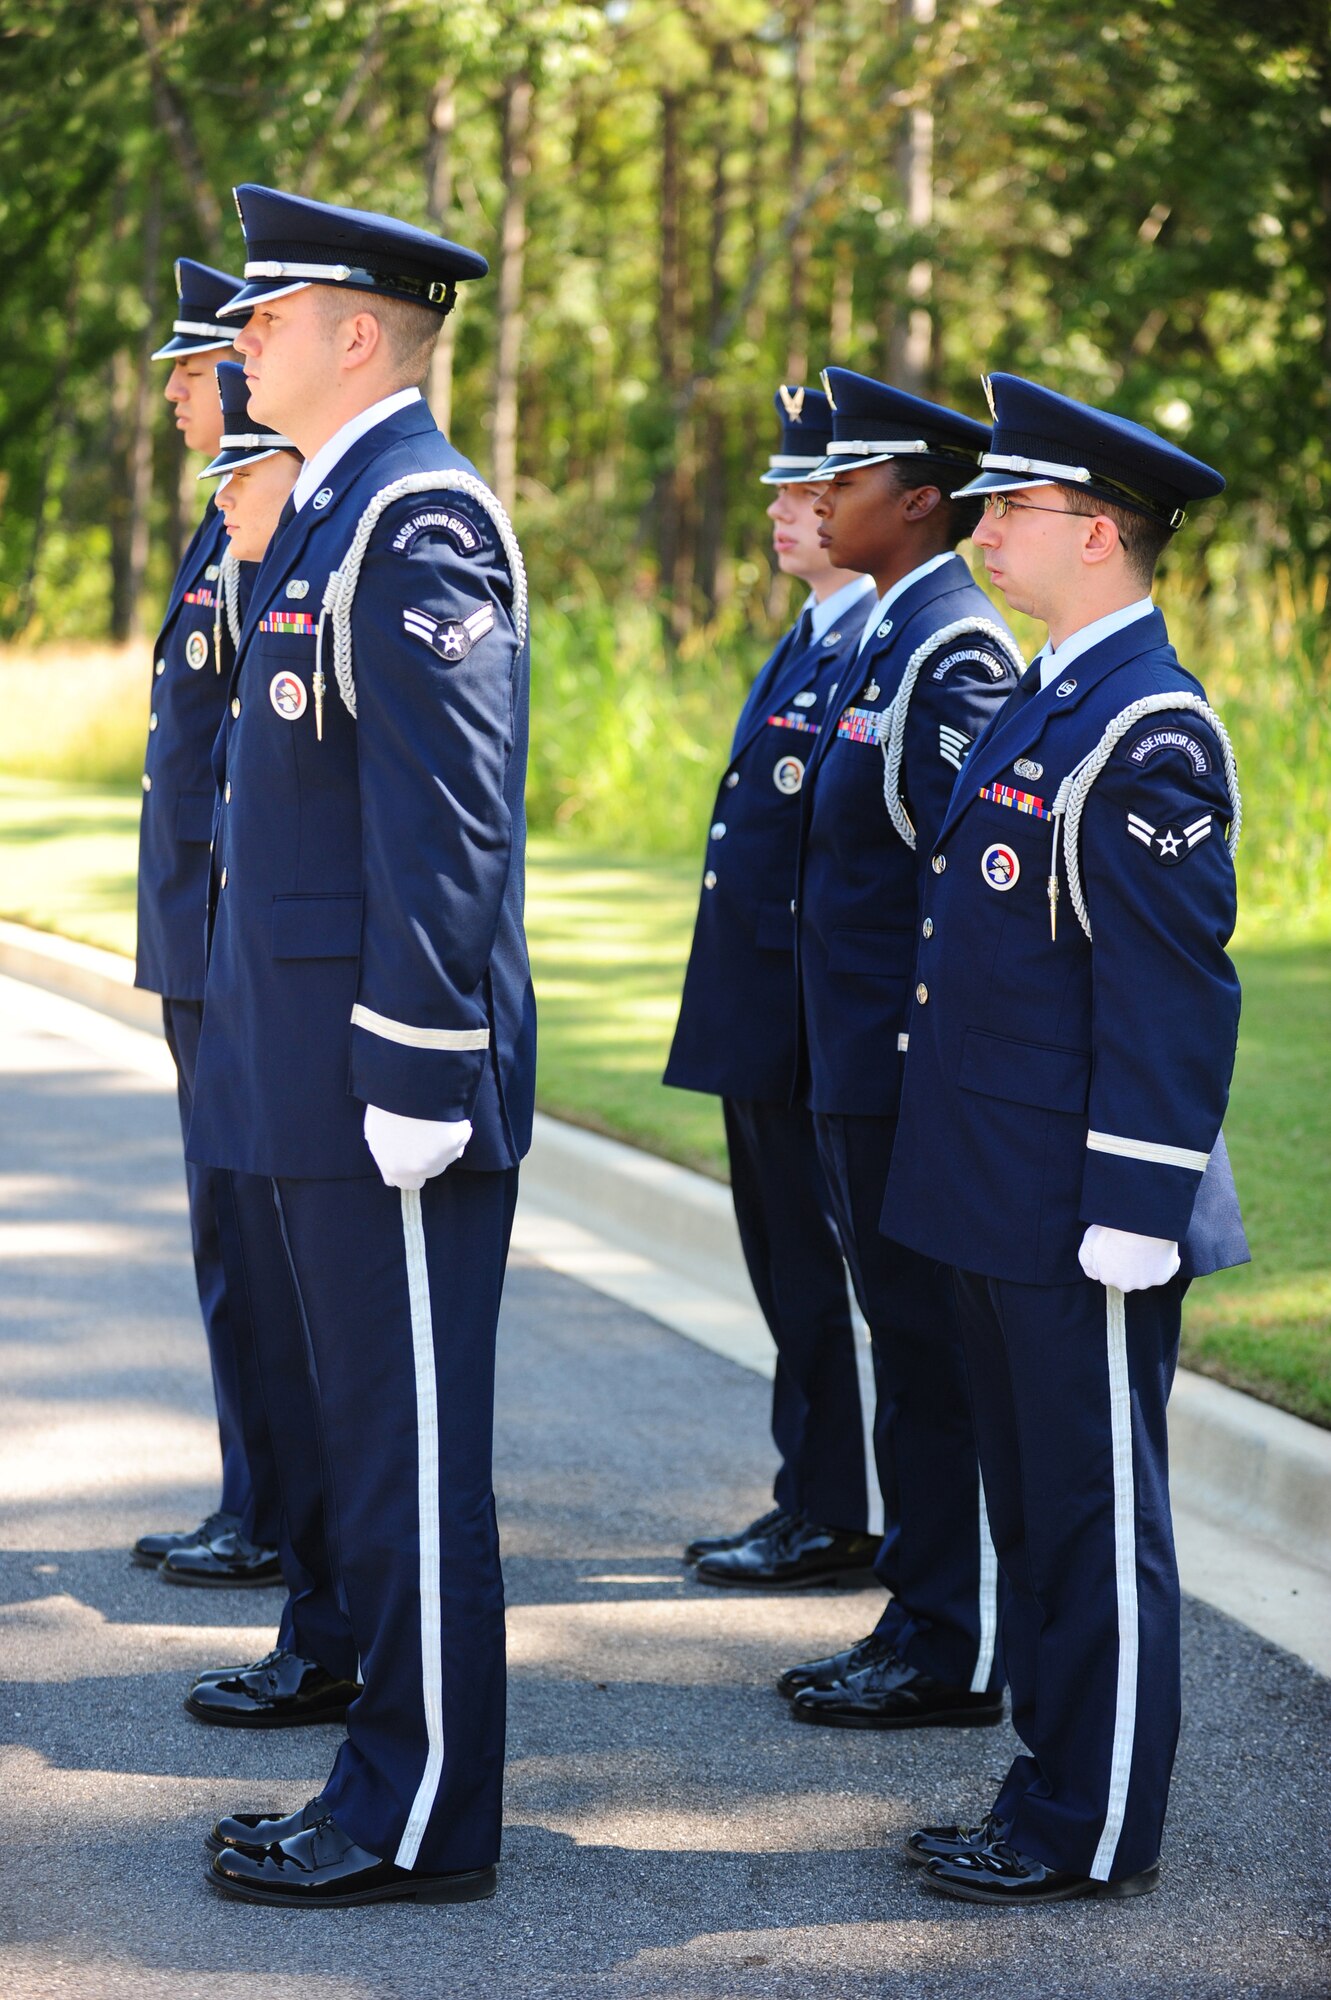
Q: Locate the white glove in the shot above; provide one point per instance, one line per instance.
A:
(410, 1151)
(1132, 1263)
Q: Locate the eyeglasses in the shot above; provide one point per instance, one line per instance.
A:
(1000, 504)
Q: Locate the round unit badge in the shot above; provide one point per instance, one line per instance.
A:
(196, 650)
(287, 694)
(999, 866)
(788, 775)
(322, 498)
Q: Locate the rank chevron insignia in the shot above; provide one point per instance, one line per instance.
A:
(1169, 844)
(952, 745)
(452, 639)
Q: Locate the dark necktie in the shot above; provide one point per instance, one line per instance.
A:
(287, 515)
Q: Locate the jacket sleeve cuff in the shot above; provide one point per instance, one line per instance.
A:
(1140, 1185)
(417, 1072)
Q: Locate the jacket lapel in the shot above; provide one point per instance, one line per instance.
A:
(1020, 723)
(189, 562)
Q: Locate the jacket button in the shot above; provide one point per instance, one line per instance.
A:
(732, 779)
(928, 925)
(227, 793)
(794, 908)
(939, 863)
(147, 782)
(719, 830)
(159, 666)
(235, 705)
(921, 993)
(222, 883)
(709, 879)
(152, 720)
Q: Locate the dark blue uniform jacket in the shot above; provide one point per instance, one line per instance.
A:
(856, 889)
(366, 891)
(1054, 1081)
(736, 1030)
(188, 696)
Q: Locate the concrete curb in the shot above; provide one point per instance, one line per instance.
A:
(663, 1239)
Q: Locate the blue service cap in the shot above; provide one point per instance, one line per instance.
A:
(872, 422)
(1042, 438)
(201, 293)
(806, 431)
(291, 242)
(244, 439)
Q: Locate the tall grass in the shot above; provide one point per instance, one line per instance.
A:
(629, 737)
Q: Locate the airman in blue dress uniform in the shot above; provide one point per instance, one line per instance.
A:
(735, 1037)
(935, 665)
(311, 1673)
(191, 662)
(369, 1029)
(1071, 1043)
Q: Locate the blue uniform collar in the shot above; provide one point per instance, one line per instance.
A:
(843, 604)
(207, 544)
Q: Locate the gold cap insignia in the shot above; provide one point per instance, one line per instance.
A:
(988, 388)
(827, 391)
(792, 402)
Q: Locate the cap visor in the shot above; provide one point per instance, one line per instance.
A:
(792, 478)
(232, 461)
(1000, 482)
(841, 463)
(184, 343)
(250, 296)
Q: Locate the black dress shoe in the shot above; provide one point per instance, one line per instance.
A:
(888, 1694)
(712, 1545)
(229, 1673)
(996, 1873)
(150, 1550)
(252, 1833)
(826, 1673)
(322, 1867)
(282, 1696)
(228, 1561)
(793, 1555)
(943, 1843)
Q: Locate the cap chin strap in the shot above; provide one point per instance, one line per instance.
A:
(1080, 475)
(201, 326)
(881, 447)
(244, 440)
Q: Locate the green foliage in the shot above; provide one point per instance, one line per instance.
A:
(1133, 204)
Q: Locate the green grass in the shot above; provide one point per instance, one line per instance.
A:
(609, 939)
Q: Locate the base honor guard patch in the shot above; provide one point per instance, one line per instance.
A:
(788, 775)
(287, 694)
(196, 650)
(296, 624)
(451, 638)
(1169, 844)
(999, 866)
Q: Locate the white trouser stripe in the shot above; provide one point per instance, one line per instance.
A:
(427, 1503)
(984, 1658)
(867, 1387)
(1125, 1575)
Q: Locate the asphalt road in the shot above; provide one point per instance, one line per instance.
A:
(671, 1834)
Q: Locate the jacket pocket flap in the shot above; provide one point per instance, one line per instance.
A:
(316, 926)
(881, 953)
(194, 818)
(1049, 1079)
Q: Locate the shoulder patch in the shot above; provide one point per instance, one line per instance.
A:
(464, 534)
(996, 669)
(451, 638)
(1170, 736)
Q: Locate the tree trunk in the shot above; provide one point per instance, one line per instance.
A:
(515, 165)
(438, 205)
(709, 415)
(910, 342)
(140, 454)
(801, 239)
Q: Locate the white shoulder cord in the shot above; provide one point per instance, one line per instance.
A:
(894, 743)
(340, 590)
(226, 604)
(1070, 800)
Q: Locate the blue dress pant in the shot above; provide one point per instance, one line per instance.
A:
(798, 1274)
(1069, 1384)
(314, 1620)
(936, 1559)
(250, 1490)
(399, 1295)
